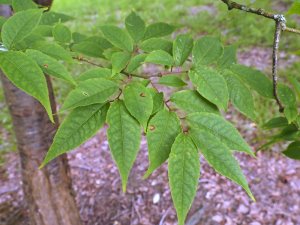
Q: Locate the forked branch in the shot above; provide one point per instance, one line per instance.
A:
(280, 25)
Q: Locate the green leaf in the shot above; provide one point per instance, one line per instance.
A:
(95, 73)
(276, 122)
(43, 30)
(158, 101)
(23, 72)
(80, 125)
(184, 174)
(135, 26)
(19, 26)
(135, 62)
(211, 85)
(220, 158)
(51, 18)
(220, 128)
(293, 150)
(160, 57)
(162, 130)
(124, 136)
(50, 65)
(296, 85)
(54, 50)
(295, 9)
(78, 37)
(19, 5)
(291, 113)
(182, 48)
(6, 2)
(153, 44)
(92, 46)
(228, 58)
(191, 101)
(139, 102)
(288, 99)
(207, 50)
(158, 30)
(89, 92)
(2, 21)
(119, 61)
(61, 33)
(117, 37)
(171, 80)
(255, 79)
(240, 95)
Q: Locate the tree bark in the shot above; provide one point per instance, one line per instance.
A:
(48, 192)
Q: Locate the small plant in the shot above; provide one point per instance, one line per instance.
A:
(117, 92)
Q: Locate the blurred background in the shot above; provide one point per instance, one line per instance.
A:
(274, 179)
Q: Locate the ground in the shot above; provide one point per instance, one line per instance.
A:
(274, 180)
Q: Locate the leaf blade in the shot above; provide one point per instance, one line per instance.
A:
(184, 173)
(123, 137)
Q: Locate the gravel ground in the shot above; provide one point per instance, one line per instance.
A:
(274, 180)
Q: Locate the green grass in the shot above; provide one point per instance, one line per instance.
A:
(235, 26)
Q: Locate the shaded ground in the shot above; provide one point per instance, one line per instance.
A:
(274, 180)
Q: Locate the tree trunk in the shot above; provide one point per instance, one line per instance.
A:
(48, 191)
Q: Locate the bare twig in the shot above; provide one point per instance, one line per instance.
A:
(280, 25)
(233, 5)
(275, 63)
(81, 59)
(292, 30)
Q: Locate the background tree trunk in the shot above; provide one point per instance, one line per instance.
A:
(48, 192)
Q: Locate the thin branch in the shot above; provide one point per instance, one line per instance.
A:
(292, 30)
(280, 25)
(261, 12)
(81, 59)
(275, 63)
